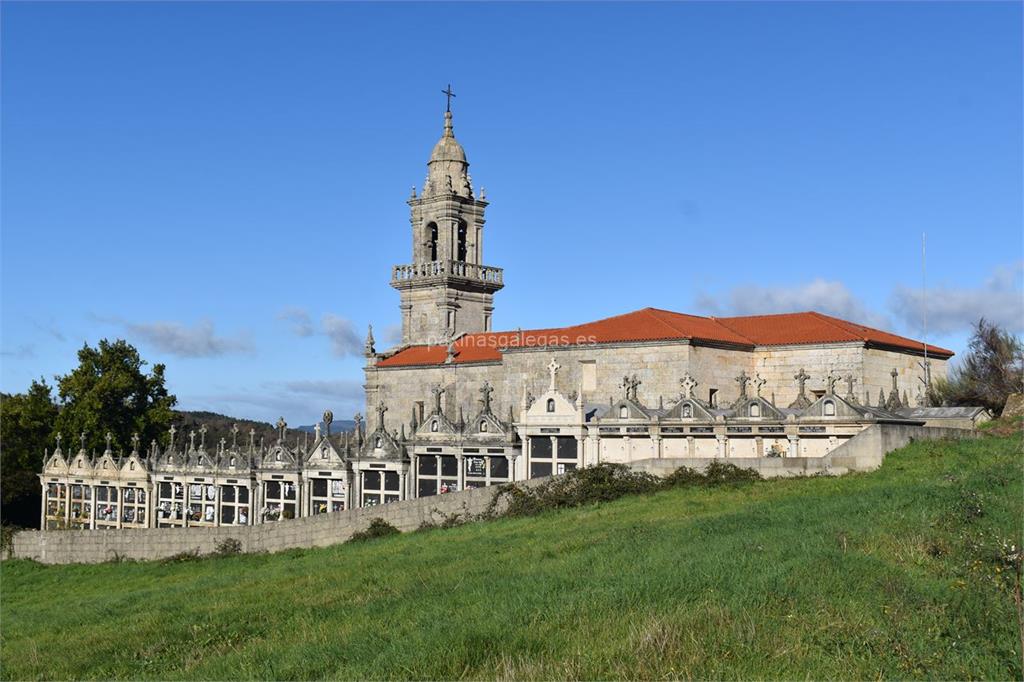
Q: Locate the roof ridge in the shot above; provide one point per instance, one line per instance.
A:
(842, 327)
(650, 313)
(718, 320)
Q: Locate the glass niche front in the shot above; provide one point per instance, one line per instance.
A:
(380, 487)
(552, 455)
(170, 504)
(439, 474)
(81, 505)
(327, 495)
(280, 500)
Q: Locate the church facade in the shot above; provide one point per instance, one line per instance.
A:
(457, 405)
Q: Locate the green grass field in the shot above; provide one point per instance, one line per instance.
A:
(897, 573)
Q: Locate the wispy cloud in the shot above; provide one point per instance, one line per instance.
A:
(302, 323)
(300, 401)
(830, 297)
(23, 351)
(50, 328)
(174, 338)
(999, 300)
(392, 335)
(343, 335)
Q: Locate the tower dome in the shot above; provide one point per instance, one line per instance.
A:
(448, 168)
(448, 148)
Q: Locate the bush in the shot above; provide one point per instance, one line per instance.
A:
(378, 528)
(684, 476)
(601, 483)
(724, 473)
(228, 547)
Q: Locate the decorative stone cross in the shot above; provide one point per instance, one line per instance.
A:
(894, 374)
(60, 437)
(381, 409)
(850, 380)
(801, 379)
(358, 419)
(281, 426)
(438, 391)
(81, 439)
(135, 442)
(202, 437)
(742, 380)
(630, 384)
(553, 368)
(758, 383)
(234, 435)
(192, 440)
(328, 419)
(223, 442)
(108, 437)
(172, 431)
(486, 390)
(252, 438)
(688, 383)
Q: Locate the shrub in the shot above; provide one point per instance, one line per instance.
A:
(378, 528)
(601, 483)
(725, 473)
(684, 476)
(228, 547)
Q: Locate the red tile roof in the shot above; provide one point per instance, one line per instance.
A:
(651, 324)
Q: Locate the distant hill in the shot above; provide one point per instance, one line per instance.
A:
(219, 426)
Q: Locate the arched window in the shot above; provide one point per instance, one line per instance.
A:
(687, 410)
(829, 408)
(377, 444)
(755, 410)
(551, 404)
(279, 456)
(433, 425)
(461, 253)
(623, 412)
(104, 464)
(233, 460)
(483, 427)
(131, 466)
(432, 240)
(323, 453)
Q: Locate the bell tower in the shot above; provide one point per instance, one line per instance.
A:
(446, 290)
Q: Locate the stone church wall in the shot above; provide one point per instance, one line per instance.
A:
(878, 365)
(778, 366)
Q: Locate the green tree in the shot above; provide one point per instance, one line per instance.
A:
(109, 392)
(26, 424)
(992, 369)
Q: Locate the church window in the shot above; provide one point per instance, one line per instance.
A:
(755, 410)
(233, 461)
(278, 455)
(687, 410)
(79, 462)
(377, 444)
(432, 243)
(623, 412)
(829, 408)
(433, 426)
(461, 253)
(551, 404)
(483, 427)
(323, 453)
(131, 466)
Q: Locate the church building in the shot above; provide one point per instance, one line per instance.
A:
(458, 405)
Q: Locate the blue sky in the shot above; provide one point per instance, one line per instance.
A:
(223, 184)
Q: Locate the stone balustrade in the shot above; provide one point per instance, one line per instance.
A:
(449, 268)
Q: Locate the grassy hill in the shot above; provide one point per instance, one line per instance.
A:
(898, 573)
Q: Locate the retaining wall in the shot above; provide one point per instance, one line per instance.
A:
(94, 546)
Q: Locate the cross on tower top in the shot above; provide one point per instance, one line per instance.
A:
(449, 94)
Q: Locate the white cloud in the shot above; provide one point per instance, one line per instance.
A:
(393, 334)
(824, 296)
(999, 300)
(342, 333)
(174, 338)
(302, 324)
(300, 401)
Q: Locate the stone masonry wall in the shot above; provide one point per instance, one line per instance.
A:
(95, 546)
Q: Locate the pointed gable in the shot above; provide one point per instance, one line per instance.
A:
(626, 409)
(325, 453)
(56, 464)
(831, 405)
(690, 408)
(756, 407)
(134, 467)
